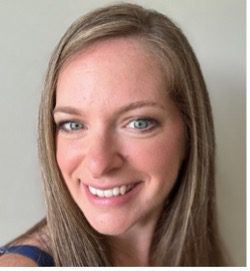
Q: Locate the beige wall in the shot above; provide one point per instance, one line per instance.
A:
(29, 31)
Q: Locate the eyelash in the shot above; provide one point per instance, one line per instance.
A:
(151, 125)
(62, 126)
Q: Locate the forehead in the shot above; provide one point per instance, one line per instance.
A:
(117, 68)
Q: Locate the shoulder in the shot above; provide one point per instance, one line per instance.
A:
(25, 255)
(15, 260)
(31, 249)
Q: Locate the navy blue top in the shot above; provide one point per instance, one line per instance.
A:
(40, 257)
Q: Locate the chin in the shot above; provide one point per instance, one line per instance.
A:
(112, 228)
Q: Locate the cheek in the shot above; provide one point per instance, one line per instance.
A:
(68, 156)
(161, 158)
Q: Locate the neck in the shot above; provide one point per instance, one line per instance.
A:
(133, 247)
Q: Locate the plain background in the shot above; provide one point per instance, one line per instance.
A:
(29, 32)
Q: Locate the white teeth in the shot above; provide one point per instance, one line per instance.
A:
(108, 193)
(92, 190)
(116, 191)
(123, 189)
(100, 193)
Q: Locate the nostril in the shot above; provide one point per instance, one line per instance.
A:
(100, 164)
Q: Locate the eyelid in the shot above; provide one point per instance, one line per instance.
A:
(153, 124)
(61, 126)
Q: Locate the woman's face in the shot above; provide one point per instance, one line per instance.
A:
(120, 138)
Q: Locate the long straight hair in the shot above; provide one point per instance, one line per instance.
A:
(187, 231)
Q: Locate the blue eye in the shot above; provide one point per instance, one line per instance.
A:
(70, 126)
(142, 124)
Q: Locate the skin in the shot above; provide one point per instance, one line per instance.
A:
(101, 94)
(15, 260)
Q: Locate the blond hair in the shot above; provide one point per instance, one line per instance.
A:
(186, 233)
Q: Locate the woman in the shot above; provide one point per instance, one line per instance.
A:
(126, 143)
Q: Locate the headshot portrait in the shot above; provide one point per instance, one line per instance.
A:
(123, 133)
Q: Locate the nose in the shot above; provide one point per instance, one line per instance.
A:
(103, 156)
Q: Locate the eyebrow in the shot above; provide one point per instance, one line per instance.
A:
(123, 109)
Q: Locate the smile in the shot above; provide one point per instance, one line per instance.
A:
(112, 192)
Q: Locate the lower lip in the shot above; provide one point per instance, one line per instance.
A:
(112, 201)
